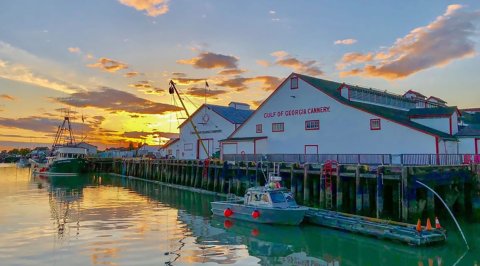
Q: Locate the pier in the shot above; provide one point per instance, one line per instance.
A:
(383, 192)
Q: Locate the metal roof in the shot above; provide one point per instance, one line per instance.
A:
(433, 111)
(469, 131)
(401, 117)
(235, 116)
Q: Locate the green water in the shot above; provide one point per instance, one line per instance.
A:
(108, 220)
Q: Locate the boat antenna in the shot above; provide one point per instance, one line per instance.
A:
(173, 90)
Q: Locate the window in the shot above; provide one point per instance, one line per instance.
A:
(294, 83)
(188, 146)
(312, 125)
(375, 124)
(277, 127)
(259, 128)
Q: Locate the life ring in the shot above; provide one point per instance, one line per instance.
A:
(255, 214)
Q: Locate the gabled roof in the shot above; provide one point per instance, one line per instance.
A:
(437, 99)
(232, 115)
(170, 142)
(418, 94)
(434, 111)
(331, 89)
(395, 115)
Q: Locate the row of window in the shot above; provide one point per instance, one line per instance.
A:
(313, 125)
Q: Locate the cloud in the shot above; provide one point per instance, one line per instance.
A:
(20, 73)
(239, 83)
(263, 63)
(354, 58)
(446, 39)
(200, 92)
(18, 136)
(152, 8)
(307, 67)
(74, 50)
(256, 104)
(40, 124)
(188, 81)
(144, 135)
(147, 87)
(179, 74)
(116, 101)
(208, 60)
(131, 74)
(109, 65)
(345, 41)
(231, 72)
(7, 97)
(272, 12)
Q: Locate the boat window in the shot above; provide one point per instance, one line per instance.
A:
(289, 198)
(277, 197)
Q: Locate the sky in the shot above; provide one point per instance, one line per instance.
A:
(109, 62)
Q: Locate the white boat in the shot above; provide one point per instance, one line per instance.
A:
(270, 204)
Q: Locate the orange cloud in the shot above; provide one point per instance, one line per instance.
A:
(188, 81)
(263, 63)
(152, 8)
(208, 60)
(239, 83)
(201, 92)
(307, 67)
(116, 101)
(109, 65)
(231, 72)
(74, 50)
(447, 38)
(345, 41)
(7, 97)
(131, 74)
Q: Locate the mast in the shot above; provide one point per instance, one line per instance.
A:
(173, 90)
(61, 137)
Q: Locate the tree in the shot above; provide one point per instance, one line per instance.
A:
(130, 146)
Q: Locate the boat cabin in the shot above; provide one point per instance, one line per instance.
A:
(70, 152)
(269, 197)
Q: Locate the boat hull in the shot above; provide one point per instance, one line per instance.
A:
(283, 216)
(68, 166)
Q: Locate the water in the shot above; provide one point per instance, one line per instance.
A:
(108, 220)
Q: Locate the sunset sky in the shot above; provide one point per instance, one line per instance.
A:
(110, 61)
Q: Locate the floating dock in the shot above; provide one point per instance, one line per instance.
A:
(383, 229)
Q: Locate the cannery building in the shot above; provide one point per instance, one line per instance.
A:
(307, 115)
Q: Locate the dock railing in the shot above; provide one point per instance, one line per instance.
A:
(367, 159)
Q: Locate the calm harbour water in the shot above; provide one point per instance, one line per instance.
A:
(100, 219)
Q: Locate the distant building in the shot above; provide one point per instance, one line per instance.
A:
(149, 150)
(91, 149)
(171, 149)
(307, 115)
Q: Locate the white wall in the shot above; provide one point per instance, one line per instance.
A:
(343, 129)
(216, 128)
(467, 145)
(438, 123)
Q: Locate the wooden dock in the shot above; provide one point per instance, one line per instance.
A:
(382, 229)
(384, 191)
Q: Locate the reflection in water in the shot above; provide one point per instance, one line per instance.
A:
(106, 220)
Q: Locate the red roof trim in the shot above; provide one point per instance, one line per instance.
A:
(436, 98)
(414, 92)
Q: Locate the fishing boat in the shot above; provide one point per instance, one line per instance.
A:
(66, 158)
(269, 204)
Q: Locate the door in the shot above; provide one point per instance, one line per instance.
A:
(208, 145)
(311, 153)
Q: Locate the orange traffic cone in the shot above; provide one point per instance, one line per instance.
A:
(419, 225)
(429, 225)
(437, 223)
